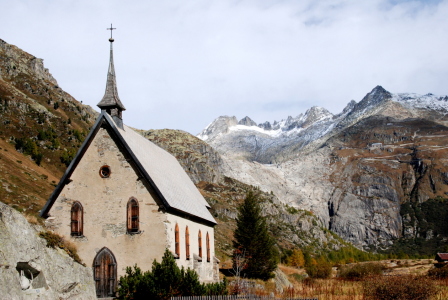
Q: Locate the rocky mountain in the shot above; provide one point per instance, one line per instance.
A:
(280, 141)
(356, 170)
(41, 128)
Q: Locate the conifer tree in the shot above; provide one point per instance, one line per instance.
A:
(252, 238)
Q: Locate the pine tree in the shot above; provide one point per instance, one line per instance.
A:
(252, 238)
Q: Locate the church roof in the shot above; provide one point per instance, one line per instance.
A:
(168, 175)
(161, 170)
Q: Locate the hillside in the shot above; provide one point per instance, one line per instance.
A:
(41, 129)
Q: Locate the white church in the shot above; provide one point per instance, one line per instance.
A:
(123, 201)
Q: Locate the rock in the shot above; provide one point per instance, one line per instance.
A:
(30, 270)
(281, 281)
(246, 121)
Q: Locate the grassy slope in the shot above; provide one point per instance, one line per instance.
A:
(29, 103)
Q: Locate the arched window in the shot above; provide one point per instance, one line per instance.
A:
(76, 219)
(133, 216)
(187, 243)
(176, 241)
(207, 241)
(200, 243)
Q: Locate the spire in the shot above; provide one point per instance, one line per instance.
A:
(111, 102)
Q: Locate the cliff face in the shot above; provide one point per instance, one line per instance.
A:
(365, 172)
(379, 166)
(30, 270)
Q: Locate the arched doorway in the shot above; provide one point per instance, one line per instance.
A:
(105, 273)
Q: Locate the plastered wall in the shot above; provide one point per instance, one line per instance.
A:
(206, 270)
(104, 202)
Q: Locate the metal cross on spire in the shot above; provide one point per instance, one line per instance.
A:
(111, 28)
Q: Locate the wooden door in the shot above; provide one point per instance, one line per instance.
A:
(105, 273)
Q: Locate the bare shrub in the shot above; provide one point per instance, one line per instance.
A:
(399, 288)
(55, 240)
(360, 271)
(32, 219)
(438, 273)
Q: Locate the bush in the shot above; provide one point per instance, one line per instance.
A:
(164, 281)
(399, 288)
(67, 156)
(29, 147)
(319, 269)
(360, 271)
(55, 240)
(438, 273)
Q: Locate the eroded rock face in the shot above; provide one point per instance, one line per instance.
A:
(386, 150)
(30, 270)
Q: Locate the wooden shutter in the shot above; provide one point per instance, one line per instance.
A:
(207, 241)
(200, 243)
(176, 241)
(187, 243)
(76, 219)
(133, 216)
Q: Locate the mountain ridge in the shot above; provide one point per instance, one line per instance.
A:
(356, 170)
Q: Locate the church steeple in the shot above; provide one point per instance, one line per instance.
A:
(111, 102)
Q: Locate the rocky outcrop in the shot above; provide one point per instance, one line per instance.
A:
(219, 126)
(30, 270)
(247, 122)
(199, 160)
(16, 62)
(365, 163)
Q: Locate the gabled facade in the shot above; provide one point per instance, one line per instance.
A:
(123, 201)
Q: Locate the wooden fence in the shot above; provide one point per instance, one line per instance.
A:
(236, 297)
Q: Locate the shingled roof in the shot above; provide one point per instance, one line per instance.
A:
(161, 170)
(110, 98)
(440, 257)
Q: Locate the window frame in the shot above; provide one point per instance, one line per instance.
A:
(176, 241)
(200, 243)
(207, 242)
(77, 217)
(187, 243)
(133, 216)
(109, 171)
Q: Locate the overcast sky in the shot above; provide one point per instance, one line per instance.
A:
(181, 64)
